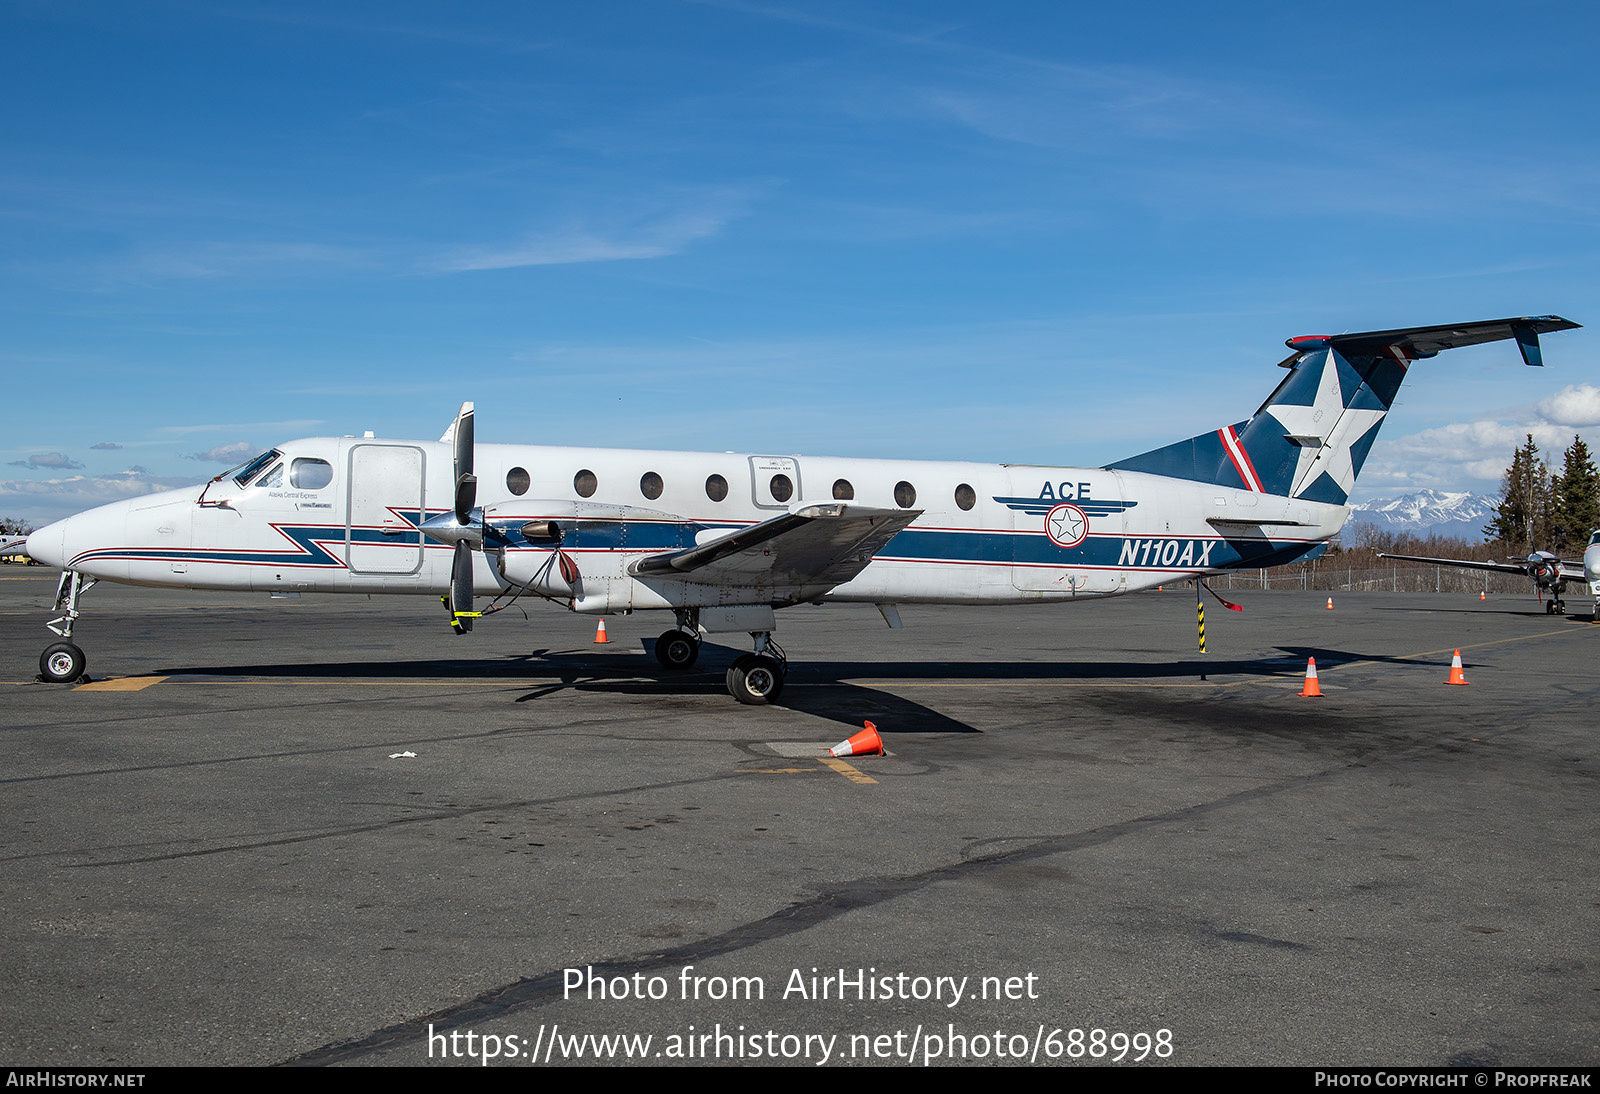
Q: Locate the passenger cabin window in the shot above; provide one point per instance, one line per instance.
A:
(518, 481)
(716, 487)
(843, 491)
(966, 497)
(905, 495)
(782, 488)
(310, 474)
(585, 484)
(650, 485)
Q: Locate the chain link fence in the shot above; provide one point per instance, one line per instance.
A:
(1328, 575)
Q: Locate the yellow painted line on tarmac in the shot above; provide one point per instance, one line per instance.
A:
(123, 683)
(847, 771)
(1591, 629)
(776, 771)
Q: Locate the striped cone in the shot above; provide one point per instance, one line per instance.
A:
(865, 743)
(1312, 689)
(1456, 675)
(600, 633)
(1330, 603)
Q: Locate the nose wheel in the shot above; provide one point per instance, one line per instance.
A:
(62, 663)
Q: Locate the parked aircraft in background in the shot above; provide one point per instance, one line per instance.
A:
(1548, 572)
(723, 541)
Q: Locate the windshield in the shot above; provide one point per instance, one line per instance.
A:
(247, 471)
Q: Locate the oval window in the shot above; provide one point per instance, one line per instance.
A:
(517, 481)
(782, 488)
(966, 496)
(843, 491)
(308, 474)
(716, 487)
(905, 495)
(650, 485)
(585, 483)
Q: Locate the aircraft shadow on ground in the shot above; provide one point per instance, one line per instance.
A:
(829, 689)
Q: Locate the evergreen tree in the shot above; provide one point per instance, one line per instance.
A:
(1522, 519)
(1575, 500)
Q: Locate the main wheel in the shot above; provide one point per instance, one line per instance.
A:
(677, 650)
(754, 680)
(62, 663)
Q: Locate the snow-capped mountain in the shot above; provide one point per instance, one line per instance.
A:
(1456, 514)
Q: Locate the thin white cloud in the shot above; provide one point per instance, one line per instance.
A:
(45, 500)
(225, 453)
(215, 260)
(293, 425)
(656, 238)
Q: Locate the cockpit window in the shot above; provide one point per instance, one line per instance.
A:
(310, 474)
(271, 478)
(245, 472)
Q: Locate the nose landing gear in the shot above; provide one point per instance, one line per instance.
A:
(64, 662)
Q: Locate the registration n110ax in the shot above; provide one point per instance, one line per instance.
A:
(724, 540)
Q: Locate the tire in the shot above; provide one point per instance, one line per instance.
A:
(62, 663)
(677, 650)
(755, 681)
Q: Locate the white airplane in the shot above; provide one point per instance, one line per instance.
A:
(723, 540)
(1547, 571)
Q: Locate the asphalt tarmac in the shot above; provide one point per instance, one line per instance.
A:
(327, 831)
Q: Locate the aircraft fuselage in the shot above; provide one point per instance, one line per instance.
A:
(340, 515)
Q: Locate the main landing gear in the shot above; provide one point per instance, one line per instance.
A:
(64, 662)
(754, 679)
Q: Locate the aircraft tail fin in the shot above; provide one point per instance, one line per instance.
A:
(1312, 435)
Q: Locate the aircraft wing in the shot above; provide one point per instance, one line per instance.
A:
(1496, 567)
(815, 547)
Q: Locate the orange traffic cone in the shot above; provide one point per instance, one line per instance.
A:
(1312, 689)
(1330, 603)
(1456, 676)
(1483, 596)
(600, 632)
(865, 743)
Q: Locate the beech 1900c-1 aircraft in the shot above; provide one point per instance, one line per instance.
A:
(723, 540)
(1547, 571)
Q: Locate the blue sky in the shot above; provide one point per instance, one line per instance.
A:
(1024, 232)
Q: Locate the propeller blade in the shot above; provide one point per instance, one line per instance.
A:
(461, 613)
(466, 481)
(466, 498)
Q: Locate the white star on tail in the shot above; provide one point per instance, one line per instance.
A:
(1330, 421)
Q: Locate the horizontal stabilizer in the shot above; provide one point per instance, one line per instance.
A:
(1414, 342)
(1224, 523)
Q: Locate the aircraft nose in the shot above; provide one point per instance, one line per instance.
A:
(48, 544)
